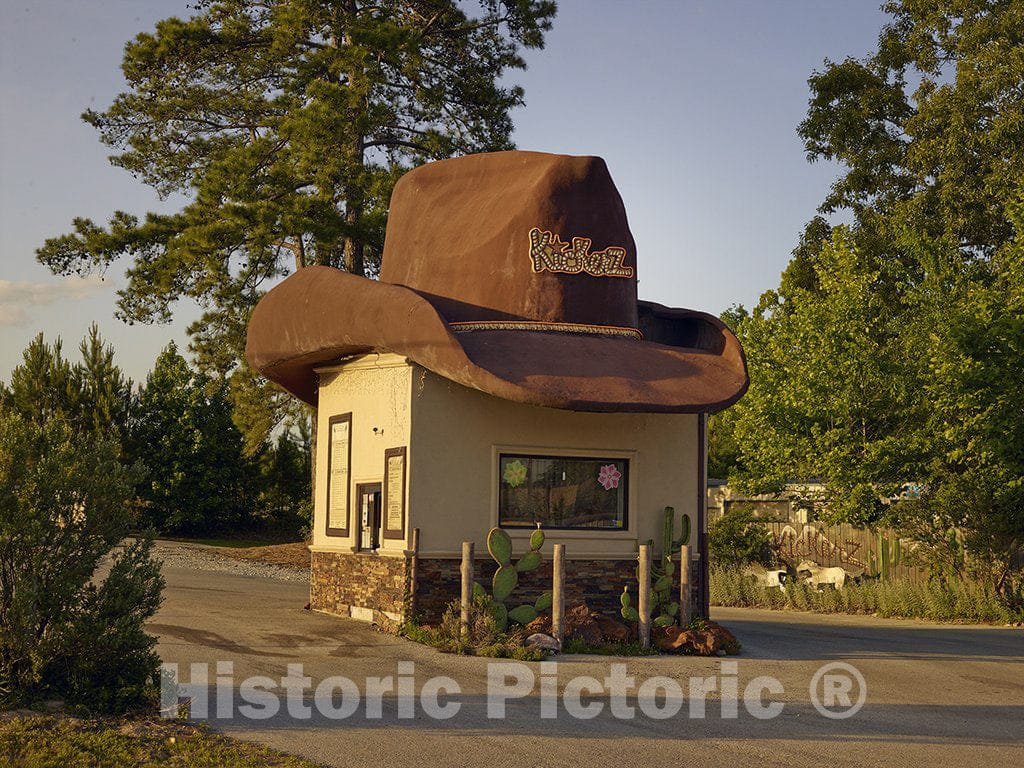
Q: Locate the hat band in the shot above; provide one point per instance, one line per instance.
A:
(532, 325)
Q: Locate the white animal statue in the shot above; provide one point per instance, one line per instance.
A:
(818, 576)
(769, 578)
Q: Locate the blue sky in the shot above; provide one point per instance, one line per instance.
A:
(694, 106)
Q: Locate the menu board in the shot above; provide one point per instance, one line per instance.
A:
(339, 459)
(394, 493)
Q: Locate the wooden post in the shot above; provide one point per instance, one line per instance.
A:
(467, 585)
(414, 566)
(558, 592)
(644, 602)
(705, 588)
(685, 596)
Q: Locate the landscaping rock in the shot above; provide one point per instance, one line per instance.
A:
(711, 639)
(581, 623)
(542, 641)
(587, 625)
(667, 638)
(613, 631)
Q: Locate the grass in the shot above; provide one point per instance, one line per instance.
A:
(498, 645)
(960, 602)
(58, 742)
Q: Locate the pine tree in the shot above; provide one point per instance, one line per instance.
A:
(198, 479)
(285, 125)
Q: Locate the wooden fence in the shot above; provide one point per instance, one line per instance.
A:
(842, 545)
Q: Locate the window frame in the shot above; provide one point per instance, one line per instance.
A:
(344, 532)
(625, 457)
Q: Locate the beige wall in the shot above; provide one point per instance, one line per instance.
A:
(376, 390)
(452, 460)
(458, 433)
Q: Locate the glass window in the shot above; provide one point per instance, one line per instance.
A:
(562, 492)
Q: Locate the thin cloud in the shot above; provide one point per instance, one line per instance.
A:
(18, 297)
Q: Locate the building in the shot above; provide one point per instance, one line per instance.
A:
(501, 372)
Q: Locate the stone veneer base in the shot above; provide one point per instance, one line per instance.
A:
(363, 585)
(358, 584)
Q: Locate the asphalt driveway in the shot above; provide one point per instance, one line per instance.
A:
(935, 694)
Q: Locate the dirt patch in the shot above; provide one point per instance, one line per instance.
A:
(289, 555)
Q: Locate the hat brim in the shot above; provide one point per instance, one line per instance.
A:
(689, 362)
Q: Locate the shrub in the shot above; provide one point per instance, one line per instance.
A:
(959, 601)
(63, 511)
(738, 538)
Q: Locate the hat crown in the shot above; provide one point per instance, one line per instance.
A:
(525, 236)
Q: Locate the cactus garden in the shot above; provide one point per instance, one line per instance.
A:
(501, 623)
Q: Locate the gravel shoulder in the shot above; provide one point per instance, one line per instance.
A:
(203, 557)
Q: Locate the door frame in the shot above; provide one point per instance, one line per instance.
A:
(376, 523)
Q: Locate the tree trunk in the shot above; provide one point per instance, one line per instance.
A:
(354, 149)
(353, 253)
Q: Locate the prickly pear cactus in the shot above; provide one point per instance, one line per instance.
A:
(522, 614)
(506, 578)
(499, 544)
(536, 539)
(543, 602)
(528, 562)
(629, 613)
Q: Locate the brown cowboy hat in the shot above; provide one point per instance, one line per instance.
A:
(513, 273)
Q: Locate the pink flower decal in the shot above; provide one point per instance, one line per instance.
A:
(609, 477)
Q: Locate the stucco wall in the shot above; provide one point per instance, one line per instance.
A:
(458, 433)
(376, 390)
(454, 435)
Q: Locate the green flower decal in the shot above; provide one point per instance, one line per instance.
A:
(515, 473)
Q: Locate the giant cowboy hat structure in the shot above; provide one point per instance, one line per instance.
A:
(513, 273)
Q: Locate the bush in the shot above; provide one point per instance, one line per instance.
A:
(738, 538)
(64, 512)
(962, 601)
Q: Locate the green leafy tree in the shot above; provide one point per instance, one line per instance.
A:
(891, 351)
(285, 125)
(198, 479)
(725, 455)
(66, 631)
(971, 517)
(834, 395)
(928, 128)
(738, 538)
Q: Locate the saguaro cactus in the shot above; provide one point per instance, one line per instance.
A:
(662, 590)
(889, 557)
